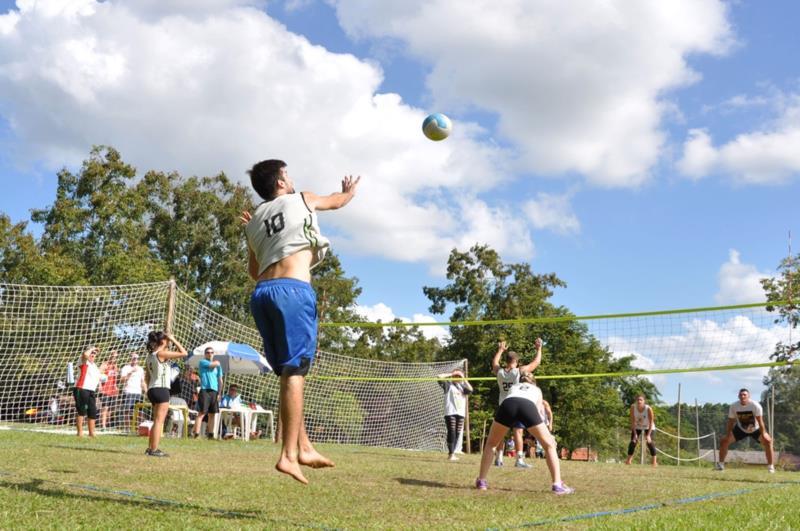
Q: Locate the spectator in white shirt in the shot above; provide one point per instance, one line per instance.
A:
(133, 386)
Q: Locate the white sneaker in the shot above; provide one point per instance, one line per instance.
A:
(771, 469)
(521, 464)
(452, 458)
(719, 466)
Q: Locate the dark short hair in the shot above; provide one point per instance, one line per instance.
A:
(264, 177)
(154, 339)
(745, 389)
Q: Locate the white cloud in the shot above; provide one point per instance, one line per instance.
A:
(699, 156)
(552, 212)
(703, 342)
(739, 283)
(577, 86)
(383, 313)
(768, 155)
(216, 85)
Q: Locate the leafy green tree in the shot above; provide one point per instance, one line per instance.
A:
(196, 233)
(784, 382)
(336, 298)
(106, 226)
(98, 221)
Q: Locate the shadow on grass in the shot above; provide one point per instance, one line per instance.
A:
(414, 482)
(85, 449)
(416, 458)
(39, 486)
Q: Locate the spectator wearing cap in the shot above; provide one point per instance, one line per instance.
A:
(133, 386)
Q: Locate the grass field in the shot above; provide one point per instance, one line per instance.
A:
(57, 481)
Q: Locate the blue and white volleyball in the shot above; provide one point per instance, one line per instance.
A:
(437, 126)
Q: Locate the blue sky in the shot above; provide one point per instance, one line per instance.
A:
(645, 152)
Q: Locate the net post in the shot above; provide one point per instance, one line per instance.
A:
(714, 437)
(697, 429)
(771, 409)
(641, 453)
(170, 319)
(467, 444)
(678, 461)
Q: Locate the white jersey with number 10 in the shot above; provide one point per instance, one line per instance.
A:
(282, 227)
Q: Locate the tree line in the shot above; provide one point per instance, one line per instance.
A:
(110, 225)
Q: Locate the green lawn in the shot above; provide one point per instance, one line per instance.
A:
(58, 481)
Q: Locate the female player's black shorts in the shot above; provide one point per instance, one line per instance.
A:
(514, 410)
(158, 395)
(85, 403)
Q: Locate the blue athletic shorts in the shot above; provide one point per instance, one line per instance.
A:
(285, 311)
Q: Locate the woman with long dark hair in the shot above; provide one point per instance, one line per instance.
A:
(159, 378)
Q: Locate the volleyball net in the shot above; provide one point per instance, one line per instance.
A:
(44, 329)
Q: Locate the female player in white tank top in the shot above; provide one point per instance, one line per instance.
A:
(642, 425)
(520, 405)
(158, 382)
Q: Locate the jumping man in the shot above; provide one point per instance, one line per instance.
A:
(285, 243)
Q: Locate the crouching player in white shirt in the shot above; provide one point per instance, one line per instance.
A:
(745, 419)
(521, 405)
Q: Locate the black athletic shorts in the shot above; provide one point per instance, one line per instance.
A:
(85, 403)
(207, 402)
(158, 395)
(514, 410)
(741, 434)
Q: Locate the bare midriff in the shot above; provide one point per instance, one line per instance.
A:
(297, 266)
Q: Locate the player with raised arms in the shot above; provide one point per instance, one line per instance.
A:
(521, 406)
(508, 375)
(285, 243)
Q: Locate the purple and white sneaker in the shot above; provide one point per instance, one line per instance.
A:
(561, 489)
(481, 484)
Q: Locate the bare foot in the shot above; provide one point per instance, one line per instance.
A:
(285, 466)
(314, 459)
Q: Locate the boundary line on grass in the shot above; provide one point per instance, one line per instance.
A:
(160, 501)
(659, 505)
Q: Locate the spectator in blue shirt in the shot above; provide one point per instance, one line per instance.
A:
(208, 399)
